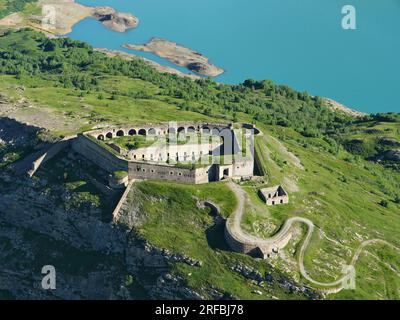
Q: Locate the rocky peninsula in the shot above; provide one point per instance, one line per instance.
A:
(179, 55)
(61, 15)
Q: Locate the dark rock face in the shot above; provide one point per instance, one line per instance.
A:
(198, 67)
(93, 259)
(389, 142)
(268, 279)
(392, 155)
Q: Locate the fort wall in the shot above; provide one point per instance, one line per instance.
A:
(48, 154)
(111, 162)
(254, 246)
(121, 202)
(151, 163)
(96, 153)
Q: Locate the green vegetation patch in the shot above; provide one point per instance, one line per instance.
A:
(174, 222)
(120, 174)
(10, 6)
(134, 142)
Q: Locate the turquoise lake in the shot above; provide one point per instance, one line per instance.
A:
(298, 43)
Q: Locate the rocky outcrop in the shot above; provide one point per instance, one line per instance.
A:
(336, 106)
(93, 258)
(268, 279)
(388, 142)
(179, 55)
(392, 155)
(114, 20)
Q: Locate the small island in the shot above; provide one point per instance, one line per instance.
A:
(179, 55)
(117, 21)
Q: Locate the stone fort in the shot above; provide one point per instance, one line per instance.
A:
(189, 152)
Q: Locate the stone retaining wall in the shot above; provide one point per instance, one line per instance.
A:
(49, 154)
(111, 162)
(259, 248)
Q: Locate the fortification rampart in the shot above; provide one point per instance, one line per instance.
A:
(33, 162)
(243, 242)
(96, 153)
(256, 246)
(111, 162)
(157, 129)
(121, 202)
(152, 164)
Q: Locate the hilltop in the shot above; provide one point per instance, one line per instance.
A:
(333, 165)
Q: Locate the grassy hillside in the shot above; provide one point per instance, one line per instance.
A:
(89, 75)
(173, 221)
(343, 195)
(340, 195)
(323, 158)
(11, 6)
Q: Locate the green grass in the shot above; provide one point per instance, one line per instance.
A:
(10, 6)
(134, 142)
(88, 109)
(120, 174)
(339, 191)
(174, 222)
(341, 196)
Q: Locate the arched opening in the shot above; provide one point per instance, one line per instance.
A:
(132, 132)
(109, 135)
(206, 130)
(120, 133)
(152, 132)
(100, 137)
(181, 129)
(142, 132)
(215, 131)
(191, 129)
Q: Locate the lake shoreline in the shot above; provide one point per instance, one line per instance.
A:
(63, 15)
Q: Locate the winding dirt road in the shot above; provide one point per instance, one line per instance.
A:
(281, 239)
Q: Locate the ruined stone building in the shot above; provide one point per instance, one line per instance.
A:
(274, 195)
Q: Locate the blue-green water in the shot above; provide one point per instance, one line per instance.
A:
(299, 43)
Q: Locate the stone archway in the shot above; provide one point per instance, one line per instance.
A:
(132, 132)
(191, 130)
(109, 135)
(181, 130)
(215, 131)
(152, 132)
(120, 133)
(206, 130)
(142, 132)
(100, 137)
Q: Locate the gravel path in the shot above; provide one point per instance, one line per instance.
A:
(234, 226)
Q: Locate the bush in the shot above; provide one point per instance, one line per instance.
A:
(384, 203)
(119, 175)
